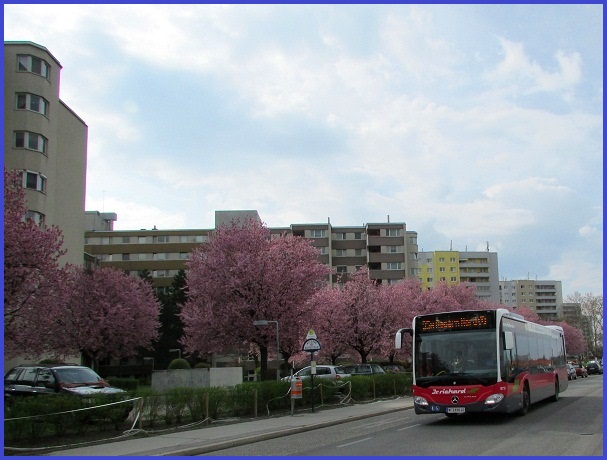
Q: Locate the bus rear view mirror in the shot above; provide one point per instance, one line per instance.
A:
(508, 340)
(398, 340)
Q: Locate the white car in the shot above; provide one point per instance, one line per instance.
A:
(323, 371)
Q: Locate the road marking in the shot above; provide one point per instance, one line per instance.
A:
(355, 442)
(407, 427)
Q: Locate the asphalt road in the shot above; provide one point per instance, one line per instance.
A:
(571, 426)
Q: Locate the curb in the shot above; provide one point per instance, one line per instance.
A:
(197, 450)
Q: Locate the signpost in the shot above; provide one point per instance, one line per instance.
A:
(311, 345)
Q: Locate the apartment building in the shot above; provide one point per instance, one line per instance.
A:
(46, 141)
(388, 249)
(452, 267)
(544, 297)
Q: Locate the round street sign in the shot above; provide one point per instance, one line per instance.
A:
(311, 345)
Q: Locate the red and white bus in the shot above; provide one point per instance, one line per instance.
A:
(484, 361)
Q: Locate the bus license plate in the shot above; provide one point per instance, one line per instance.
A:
(456, 410)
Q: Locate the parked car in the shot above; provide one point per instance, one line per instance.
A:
(394, 369)
(594, 367)
(322, 371)
(580, 370)
(571, 374)
(364, 369)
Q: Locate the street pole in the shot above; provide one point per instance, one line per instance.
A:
(277, 354)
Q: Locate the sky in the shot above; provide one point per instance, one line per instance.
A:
(476, 125)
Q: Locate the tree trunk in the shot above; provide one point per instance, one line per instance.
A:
(263, 353)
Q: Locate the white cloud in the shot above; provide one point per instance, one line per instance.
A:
(518, 69)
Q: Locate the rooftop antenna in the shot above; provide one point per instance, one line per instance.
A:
(487, 246)
(451, 246)
(103, 202)
(388, 218)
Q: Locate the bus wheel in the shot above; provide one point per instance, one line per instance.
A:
(526, 400)
(555, 398)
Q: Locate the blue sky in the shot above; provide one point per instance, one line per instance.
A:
(471, 123)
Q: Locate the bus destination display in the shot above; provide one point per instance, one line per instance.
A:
(457, 321)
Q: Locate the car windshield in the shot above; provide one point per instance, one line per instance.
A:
(467, 357)
(77, 375)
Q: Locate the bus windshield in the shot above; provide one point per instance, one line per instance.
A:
(456, 357)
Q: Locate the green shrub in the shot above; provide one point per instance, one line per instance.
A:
(179, 363)
(202, 366)
(128, 384)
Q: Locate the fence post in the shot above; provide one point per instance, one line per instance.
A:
(206, 407)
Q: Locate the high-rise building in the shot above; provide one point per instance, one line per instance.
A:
(452, 267)
(46, 142)
(388, 249)
(544, 297)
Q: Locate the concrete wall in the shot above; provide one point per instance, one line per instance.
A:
(196, 378)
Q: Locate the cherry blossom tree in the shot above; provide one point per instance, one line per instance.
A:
(242, 275)
(328, 313)
(107, 314)
(33, 279)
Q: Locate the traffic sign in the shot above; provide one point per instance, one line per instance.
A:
(311, 345)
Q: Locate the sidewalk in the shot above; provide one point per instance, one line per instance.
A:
(218, 436)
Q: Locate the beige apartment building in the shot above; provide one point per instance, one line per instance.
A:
(46, 141)
(388, 249)
(545, 297)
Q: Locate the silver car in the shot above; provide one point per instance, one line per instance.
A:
(323, 371)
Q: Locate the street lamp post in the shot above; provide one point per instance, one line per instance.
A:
(263, 322)
(178, 350)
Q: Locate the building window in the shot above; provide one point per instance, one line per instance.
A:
(200, 238)
(342, 269)
(429, 280)
(323, 250)
(30, 141)
(358, 236)
(412, 240)
(34, 181)
(183, 239)
(162, 239)
(317, 233)
(452, 269)
(453, 278)
(27, 101)
(441, 269)
(429, 269)
(161, 273)
(142, 257)
(141, 240)
(160, 256)
(393, 232)
(452, 259)
(340, 236)
(429, 260)
(358, 252)
(126, 239)
(183, 255)
(441, 259)
(33, 64)
(413, 255)
(126, 257)
(394, 265)
(392, 249)
(340, 253)
(34, 216)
